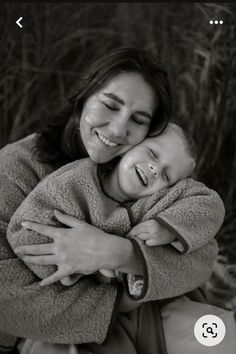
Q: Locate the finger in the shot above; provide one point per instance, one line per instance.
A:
(43, 260)
(58, 275)
(144, 236)
(65, 219)
(71, 279)
(137, 229)
(152, 242)
(142, 227)
(67, 281)
(44, 248)
(45, 230)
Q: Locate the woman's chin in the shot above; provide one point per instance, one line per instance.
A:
(100, 157)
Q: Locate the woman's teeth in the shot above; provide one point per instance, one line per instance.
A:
(141, 176)
(106, 141)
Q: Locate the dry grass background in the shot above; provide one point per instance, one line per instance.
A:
(40, 67)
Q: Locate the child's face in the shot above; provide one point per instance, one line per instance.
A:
(156, 163)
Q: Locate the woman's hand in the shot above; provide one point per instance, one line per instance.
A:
(81, 248)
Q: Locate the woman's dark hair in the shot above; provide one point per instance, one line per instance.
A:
(94, 77)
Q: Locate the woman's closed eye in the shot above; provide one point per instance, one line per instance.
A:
(110, 106)
(140, 120)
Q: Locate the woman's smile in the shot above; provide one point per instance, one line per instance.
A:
(105, 140)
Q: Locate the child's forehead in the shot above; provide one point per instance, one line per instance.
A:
(169, 136)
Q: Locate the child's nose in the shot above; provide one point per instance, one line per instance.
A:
(153, 168)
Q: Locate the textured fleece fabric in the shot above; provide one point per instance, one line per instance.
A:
(137, 332)
(75, 189)
(74, 315)
(78, 314)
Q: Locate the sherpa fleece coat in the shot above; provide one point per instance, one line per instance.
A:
(76, 189)
(85, 311)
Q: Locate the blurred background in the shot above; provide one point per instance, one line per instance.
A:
(40, 66)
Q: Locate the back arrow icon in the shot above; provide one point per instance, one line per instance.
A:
(18, 22)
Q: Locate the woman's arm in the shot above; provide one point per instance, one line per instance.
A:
(194, 217)
(166, 272)
(78, 314)
(80, 248)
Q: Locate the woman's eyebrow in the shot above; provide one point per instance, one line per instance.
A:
(119, 100)
(114, 97)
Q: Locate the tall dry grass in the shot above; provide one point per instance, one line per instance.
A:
(40, 66)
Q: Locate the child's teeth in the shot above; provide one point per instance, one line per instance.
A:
(142, 175)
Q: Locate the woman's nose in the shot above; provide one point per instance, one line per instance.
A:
(153, 168)
(119, 127)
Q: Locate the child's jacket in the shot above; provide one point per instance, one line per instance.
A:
(75, 189)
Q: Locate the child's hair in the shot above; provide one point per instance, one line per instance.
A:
(189, 142)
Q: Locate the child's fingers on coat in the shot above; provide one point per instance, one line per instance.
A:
(138, 229)
(152, 242)
(144, 236)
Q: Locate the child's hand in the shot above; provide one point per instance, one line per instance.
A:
(153, 233)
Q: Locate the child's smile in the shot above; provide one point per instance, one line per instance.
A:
(141, 176)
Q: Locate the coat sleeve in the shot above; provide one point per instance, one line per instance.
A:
(81, 313)
(194, 214)
(167, 273)
(195, 217)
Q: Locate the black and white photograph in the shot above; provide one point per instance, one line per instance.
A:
(118, 178)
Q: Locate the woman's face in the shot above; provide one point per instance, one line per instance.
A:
(117, 117)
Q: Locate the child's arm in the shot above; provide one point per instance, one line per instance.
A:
(190, 220)
(188, 216)
(194, 217)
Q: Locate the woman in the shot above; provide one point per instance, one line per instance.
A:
(123, 96)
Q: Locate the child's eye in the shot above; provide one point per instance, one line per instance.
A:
(166, 177)
(154, 154)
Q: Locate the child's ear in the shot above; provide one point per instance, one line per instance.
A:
(193, 174)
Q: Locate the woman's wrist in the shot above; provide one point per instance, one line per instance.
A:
(120, 255)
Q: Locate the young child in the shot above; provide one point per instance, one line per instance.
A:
(142, 187)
